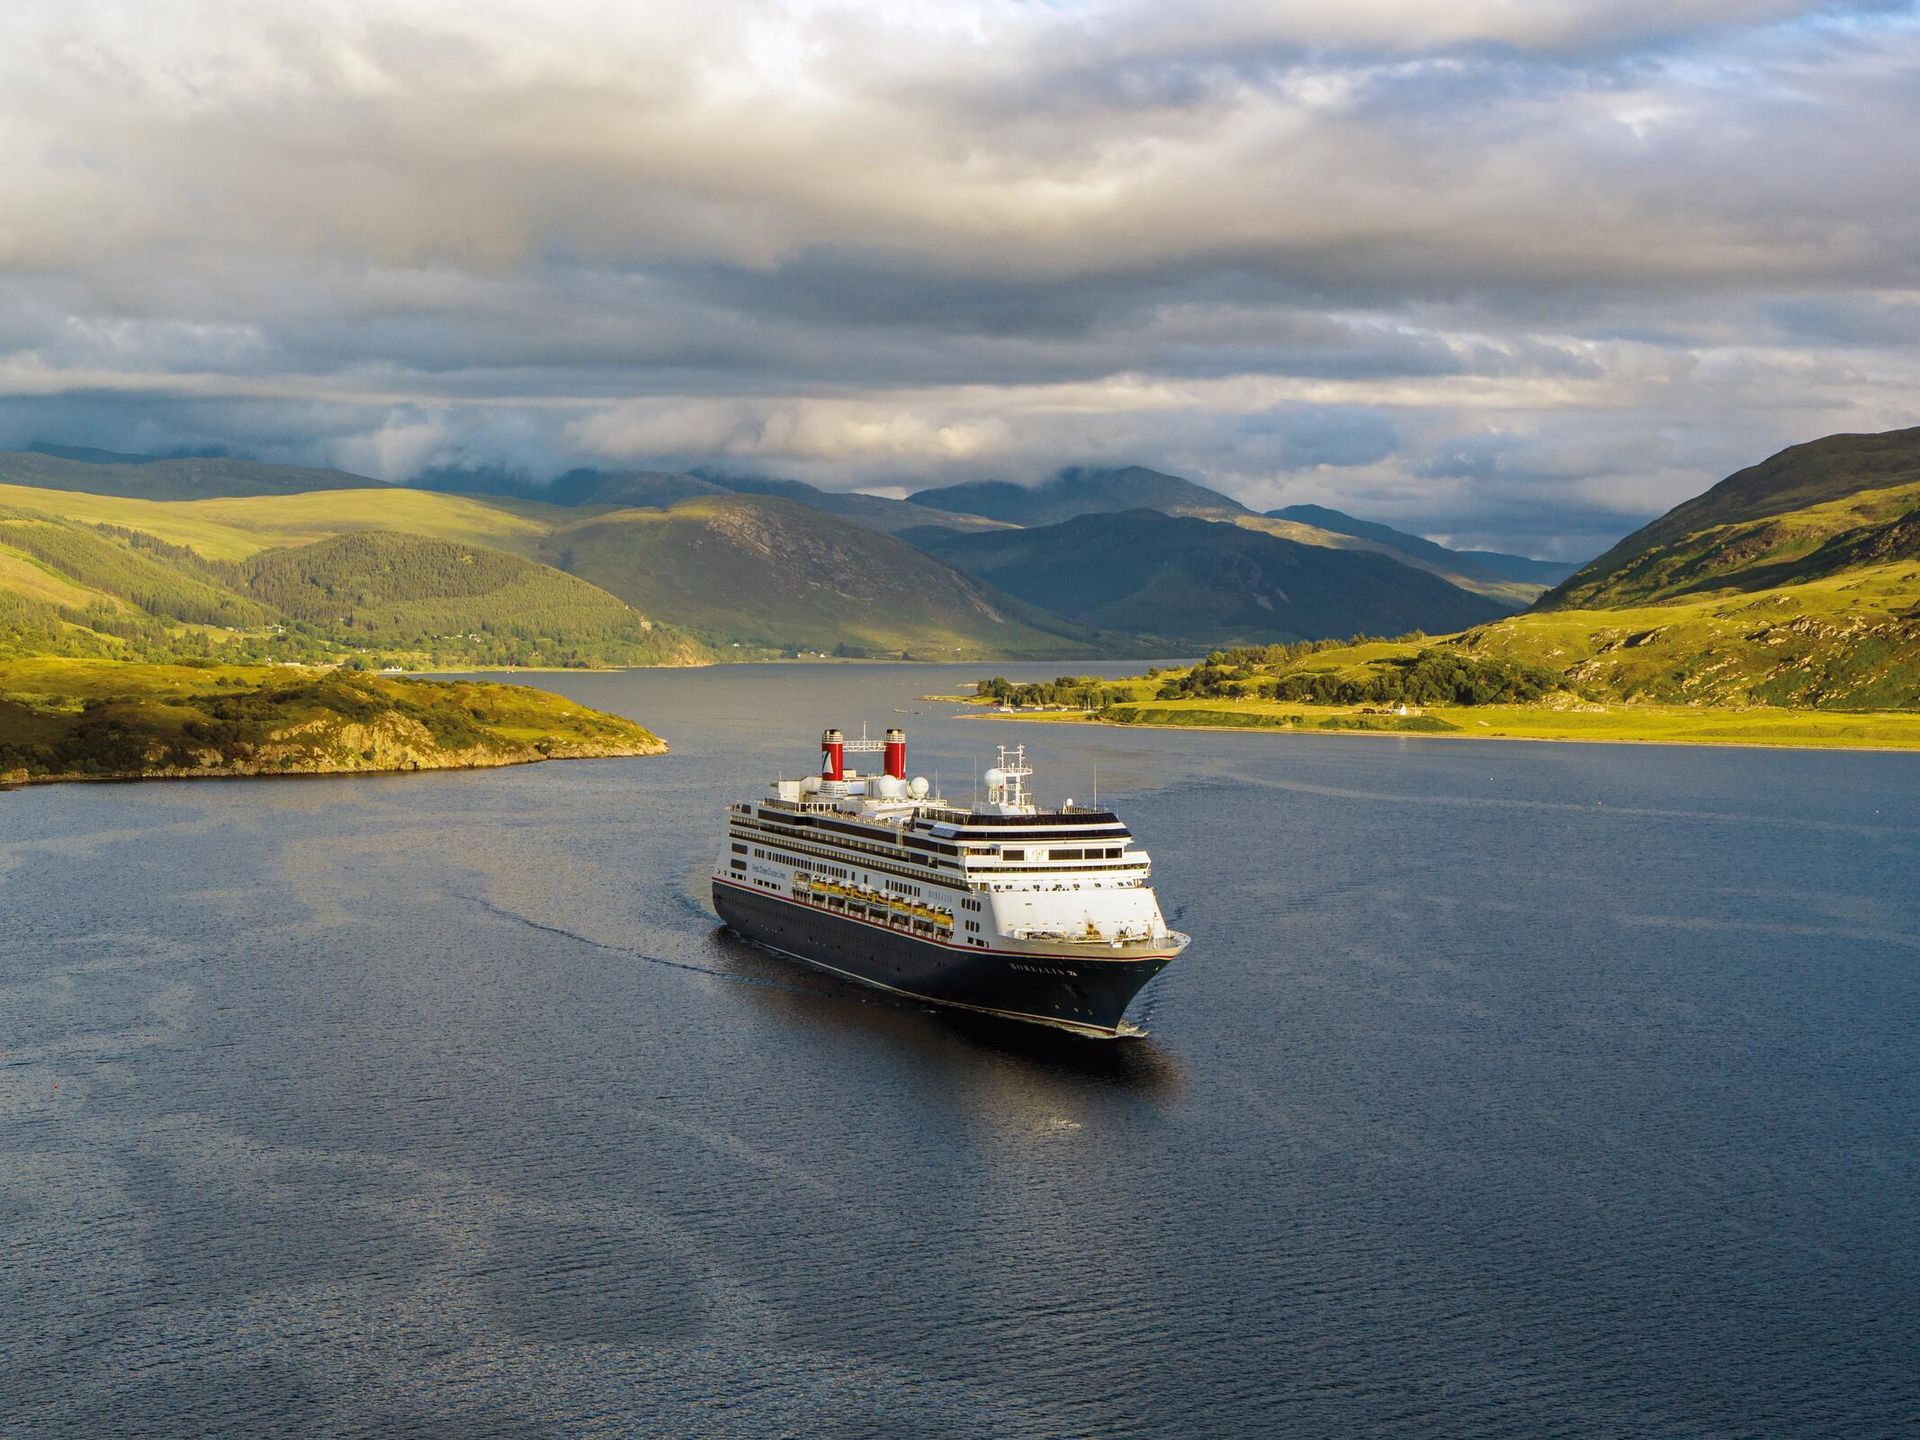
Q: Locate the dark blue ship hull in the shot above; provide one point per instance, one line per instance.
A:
(1089, 996)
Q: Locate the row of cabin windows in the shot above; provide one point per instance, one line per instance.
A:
(816, 865)
(895, 853)
(1104, 853)
(897, 857)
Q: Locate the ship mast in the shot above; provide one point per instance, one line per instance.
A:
(1013, 765)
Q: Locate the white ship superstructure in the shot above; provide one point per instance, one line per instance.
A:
(1044, 915)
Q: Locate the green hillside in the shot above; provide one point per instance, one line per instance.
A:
(375, 589)
(1192, 583)
(759, 573)
(1793, 586)
(1842, 643)
(771, 573)
(1811, 510)
(235, 527)
(198, 478)
(117, 590)
(146, 574)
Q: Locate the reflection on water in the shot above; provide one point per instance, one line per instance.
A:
(1506, 1090)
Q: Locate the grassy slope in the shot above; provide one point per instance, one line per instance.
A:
(188, 479)
(401, 591)
(29, 576)
(1849, 641)
(234, 528)
(111, 564)
(75, 588)
(1832, 661)
(1845, 643)
(1766, 512)
(766, 572)
(78, 719)
(1759, 553)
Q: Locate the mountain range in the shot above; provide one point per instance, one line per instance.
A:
(1795, 581)
(104, 551)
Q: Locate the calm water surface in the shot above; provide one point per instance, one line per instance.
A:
(1507, 1090)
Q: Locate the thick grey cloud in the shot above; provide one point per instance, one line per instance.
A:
(1520, 274)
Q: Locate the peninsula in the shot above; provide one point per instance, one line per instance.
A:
(77, 719)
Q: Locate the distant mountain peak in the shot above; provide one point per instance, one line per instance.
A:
(1081, 490)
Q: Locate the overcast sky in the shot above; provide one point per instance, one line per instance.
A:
(1507, 273)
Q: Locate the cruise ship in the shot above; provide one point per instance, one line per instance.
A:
(1006, 908)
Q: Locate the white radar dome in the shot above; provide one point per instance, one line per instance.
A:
(995, 778)
(918, 787)
(890, 787)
